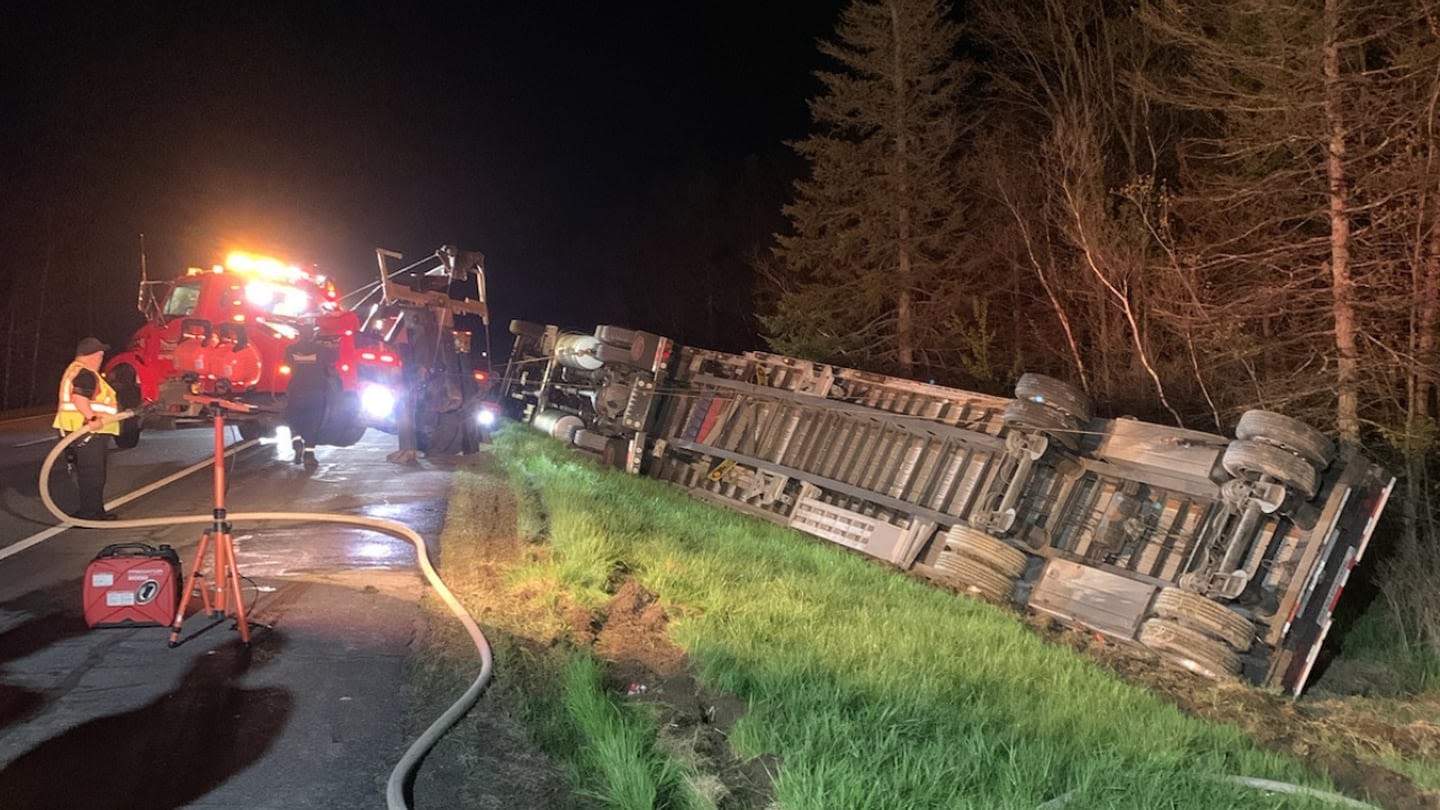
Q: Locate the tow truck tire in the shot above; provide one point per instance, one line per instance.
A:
(968, 541)
(974, 577)
(1253, 460)
(447, 436)
(1057, 394)
(1287, 434)
(342, 426)
(1190, 649)
(1198, 613)
(252, 429)
(127, 394)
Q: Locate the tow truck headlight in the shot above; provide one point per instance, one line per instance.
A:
(377, 401)
(485, 417)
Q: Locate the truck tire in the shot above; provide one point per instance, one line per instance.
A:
(1190, 649)
(967, 541)
(615, 335)
(446, 436)
(259, 428)
(1287, 434)
(127, 394)
(342, 426)
(1198, 613)
(1057, 394)
(974, 577)
(528, 329)
(1032, 417)
(1252, 460)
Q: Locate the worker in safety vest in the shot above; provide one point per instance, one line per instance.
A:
(86, 402)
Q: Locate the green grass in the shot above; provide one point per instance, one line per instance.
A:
(874, 690)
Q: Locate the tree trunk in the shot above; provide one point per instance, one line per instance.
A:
(1347, 411)
(904, 316)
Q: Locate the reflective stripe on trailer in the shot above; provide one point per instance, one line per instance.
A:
(1331, 537)
(1352, 556)
(1310, 659)
(1380, 502)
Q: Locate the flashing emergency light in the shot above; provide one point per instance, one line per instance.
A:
(272, 269)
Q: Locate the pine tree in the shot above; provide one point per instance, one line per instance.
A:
(875, 228)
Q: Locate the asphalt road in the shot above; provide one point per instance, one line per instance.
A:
(312, 714)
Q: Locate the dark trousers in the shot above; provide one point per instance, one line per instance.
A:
(90, 471)
(306, 402)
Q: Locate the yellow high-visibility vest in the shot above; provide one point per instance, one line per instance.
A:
(69, 419)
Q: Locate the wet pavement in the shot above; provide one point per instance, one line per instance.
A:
(312, 714)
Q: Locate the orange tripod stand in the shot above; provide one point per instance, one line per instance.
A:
(223, 586)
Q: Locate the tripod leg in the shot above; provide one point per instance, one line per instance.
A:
(192, 583)
(232, 578)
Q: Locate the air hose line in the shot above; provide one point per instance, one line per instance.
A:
(404, 769)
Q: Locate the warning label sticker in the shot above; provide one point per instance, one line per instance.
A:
(119, 598)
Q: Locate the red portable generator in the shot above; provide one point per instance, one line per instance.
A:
(132, 585)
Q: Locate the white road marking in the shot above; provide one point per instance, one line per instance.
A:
(46, 534)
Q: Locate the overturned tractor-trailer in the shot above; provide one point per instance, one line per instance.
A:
(1226, 555)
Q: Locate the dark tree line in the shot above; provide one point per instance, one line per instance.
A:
(1187, 209)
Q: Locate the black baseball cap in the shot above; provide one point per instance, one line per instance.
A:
(91, 345)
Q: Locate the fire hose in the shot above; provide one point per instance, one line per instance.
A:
(404, 769)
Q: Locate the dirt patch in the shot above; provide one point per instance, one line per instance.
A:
(1330, 735)
(630, 635)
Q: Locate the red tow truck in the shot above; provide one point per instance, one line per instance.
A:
(223, 331)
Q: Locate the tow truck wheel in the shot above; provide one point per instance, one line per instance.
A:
(447, 436)
(968, 541)
(974, 577)
(127, 394)
(1198, 613)
(251, 430)
(341, 426)
(1190, 649)
(1254, 460)
(1287, 434)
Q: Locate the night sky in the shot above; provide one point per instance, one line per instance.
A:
(535, 132)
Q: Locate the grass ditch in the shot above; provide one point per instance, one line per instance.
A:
(862, 688)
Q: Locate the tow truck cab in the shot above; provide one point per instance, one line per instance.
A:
(224, 330)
